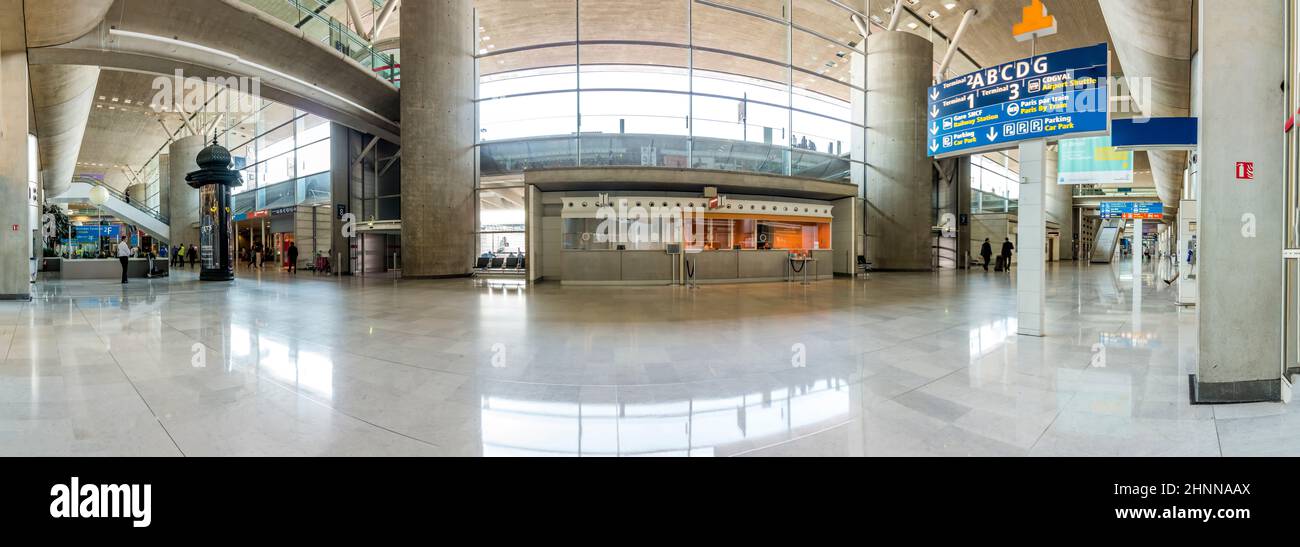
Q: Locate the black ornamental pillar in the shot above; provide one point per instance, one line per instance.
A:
(214, 181)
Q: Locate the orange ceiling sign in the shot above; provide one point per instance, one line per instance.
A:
(1035, 23)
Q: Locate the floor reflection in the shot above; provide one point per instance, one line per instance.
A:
(704, 426)
(899, 364)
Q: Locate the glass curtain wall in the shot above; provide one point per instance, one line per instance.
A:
(284, 155)
(995, 182)
(763, 86)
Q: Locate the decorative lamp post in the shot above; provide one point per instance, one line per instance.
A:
(213, 180)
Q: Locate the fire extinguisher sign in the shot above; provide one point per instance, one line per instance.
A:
(1245, 170)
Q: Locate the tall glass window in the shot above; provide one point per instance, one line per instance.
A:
(742, 85)
(283, 153)
(764, 86)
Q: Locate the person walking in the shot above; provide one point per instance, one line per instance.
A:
(193, 253)
(293, 258)
(1007, 247)
(986, 252)
(123, 256)
(257, 256)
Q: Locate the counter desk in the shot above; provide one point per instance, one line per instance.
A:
(656, 267)
(101, 268)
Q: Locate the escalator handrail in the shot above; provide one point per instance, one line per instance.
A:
(123, 197)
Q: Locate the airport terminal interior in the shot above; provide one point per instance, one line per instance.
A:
(649, 228)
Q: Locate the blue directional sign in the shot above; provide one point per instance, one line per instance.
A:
(1132, 210)
(1048, 96)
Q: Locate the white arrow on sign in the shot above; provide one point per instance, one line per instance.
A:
(934, 146)
(993, 134)
(934, 128)
(934, 111)
(934, 95)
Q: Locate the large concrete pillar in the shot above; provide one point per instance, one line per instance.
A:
(164, 182)
(15, 215)
(1031, 239)
(182, 200)
(1060, 205)
(138, 193)
(953, 198)
(899, 180)
(853, 238)
(438, 134)
(1242, 221)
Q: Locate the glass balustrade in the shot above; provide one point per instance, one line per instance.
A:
(624, 150)
(309, 17)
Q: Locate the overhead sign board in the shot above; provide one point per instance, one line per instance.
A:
(1092, 160)
(1154, 133)
(1133, 210)
(1043, 97)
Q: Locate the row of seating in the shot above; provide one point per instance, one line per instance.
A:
(500, 264)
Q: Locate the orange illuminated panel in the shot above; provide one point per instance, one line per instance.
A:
(725, 231)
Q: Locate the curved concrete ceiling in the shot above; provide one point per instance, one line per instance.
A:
(54, 22)
(1153, 40)
(223, 38)
(61, 94)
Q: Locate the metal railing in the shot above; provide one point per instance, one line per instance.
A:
(650, 150)
(308, 16)
(1094, 192)
(988, 202)
(156, 213)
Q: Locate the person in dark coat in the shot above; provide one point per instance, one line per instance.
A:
(193, 253)
(293, 258)
(1007, 247)
(986, 252)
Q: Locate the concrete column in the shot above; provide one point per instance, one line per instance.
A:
(1242, 221)
(438, 135)
(1060, 205)
(899, 175)
(164, 182)
(858, 100)
(953, 191)
(15, 217)
(183, 201)
(341, 155)
(1031, 238)
(138, 193)
(851, 243)
(1135, 324)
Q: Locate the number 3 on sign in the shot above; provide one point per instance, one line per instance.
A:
(1245, 170)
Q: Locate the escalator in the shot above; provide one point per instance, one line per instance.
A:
(147, 219)
(1108, 236)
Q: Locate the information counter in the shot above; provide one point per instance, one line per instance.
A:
(103, 268)
(656, 267)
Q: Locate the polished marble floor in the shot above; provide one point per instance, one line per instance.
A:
(899, 364)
